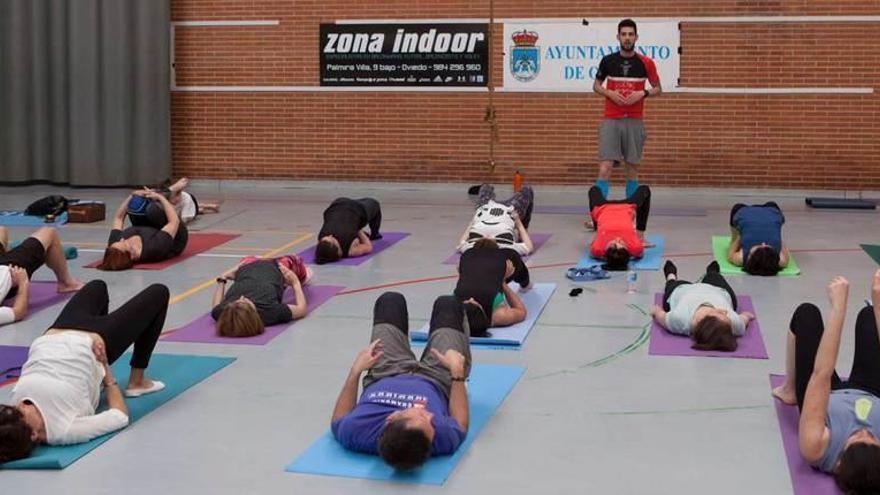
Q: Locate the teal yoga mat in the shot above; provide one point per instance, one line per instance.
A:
(178, 372)
(650, 261)
(488, 386)
(14, 218)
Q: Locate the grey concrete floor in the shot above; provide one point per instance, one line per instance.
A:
(589, 416)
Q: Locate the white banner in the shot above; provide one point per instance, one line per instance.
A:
(564, 56)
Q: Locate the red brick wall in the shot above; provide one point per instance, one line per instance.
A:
(797, 141)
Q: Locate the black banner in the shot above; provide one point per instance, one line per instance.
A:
(404, 54)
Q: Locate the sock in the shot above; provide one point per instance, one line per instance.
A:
(631, 186)
(603, 186)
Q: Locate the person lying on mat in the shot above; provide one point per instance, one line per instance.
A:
(756, 239)
(156, 232)
(17, 265)
(185, 203)
(839, 427)
(56, 397)
(255, 300)
(342, 234)
(504, 222)
(620, 227)
(705, 310)
(409, 409)
(483, 274)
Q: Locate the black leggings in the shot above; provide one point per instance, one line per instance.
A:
(641, 198)
(737, 207)
(374, 216)
(139, 321)
(712, 277)
(807, 327)
(520, 270)
(390, 308)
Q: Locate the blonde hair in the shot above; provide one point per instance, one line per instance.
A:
(239, 319)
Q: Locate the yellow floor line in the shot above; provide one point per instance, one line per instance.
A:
(268, 254)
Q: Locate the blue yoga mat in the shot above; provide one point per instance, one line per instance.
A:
(650, 261)
(535, 300)
(15, 218)
(489, 384)
(178, 372)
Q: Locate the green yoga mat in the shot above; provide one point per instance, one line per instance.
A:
(720, 244)
(873, 251)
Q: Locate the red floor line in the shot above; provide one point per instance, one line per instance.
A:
(567, 263)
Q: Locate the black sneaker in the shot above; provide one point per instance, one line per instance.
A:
(669, 268)
(713, 267)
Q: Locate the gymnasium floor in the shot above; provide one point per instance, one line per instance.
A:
(594, 413)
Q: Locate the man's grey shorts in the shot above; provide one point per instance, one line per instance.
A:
(622, 140)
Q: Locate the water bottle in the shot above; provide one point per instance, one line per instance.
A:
(517, 181)
(631, 278)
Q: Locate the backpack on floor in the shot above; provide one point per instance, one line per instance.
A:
(50, 205)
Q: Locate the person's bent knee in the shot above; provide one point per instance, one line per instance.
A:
(804, 314)
(160, 291)
(46, 236)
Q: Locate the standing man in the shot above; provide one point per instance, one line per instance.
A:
(622, 133)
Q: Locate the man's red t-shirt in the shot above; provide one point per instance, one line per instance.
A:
(626, 75)
(615, 220)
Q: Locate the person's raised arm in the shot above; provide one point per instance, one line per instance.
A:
(812, 432)
(119, 216)
(20, 278)
(348, 395)
(523, 233)
(462, 241)
(454, 361)
(360, 246)
(515, 311)
(173, 220)
(300, 306)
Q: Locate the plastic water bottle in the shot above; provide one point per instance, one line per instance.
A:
(632, 277)
(517, 181)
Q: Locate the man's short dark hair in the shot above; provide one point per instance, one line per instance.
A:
(326, 252)
(764, 261)
(627, 23)
(616, 259)
(15, 435)
(402, 447)
(859, 469)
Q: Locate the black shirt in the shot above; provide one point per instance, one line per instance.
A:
(481, 275)
(263, 284)
(157, 244)
(343, 219)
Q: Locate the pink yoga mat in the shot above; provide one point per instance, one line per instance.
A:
(751, 345)
(538, 240)
(388, 239)
(198, 243)
(804, 479)
(41, 296)
(202, 329)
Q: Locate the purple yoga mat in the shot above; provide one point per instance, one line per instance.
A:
(202, 329)
(41, 296)
(538, 240)
(751, 345)
(11, 356)
(388, 239)
(804, 479)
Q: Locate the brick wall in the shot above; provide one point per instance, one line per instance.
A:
(797, 141)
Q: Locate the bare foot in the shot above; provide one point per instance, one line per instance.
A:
(72, 286)
(786, 394)
(178, 186)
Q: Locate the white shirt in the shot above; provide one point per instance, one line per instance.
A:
(494, 221)
(6, 313)
(62, 379)
(686, 299)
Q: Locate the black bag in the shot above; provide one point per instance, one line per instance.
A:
(50, 205)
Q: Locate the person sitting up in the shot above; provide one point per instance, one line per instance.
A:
(56, 397)
(483, 275)
(839, 427)
(19, 264)
(706, 310)
(756, 239)
(342, 234)
(409, 409)
(618, 240)
(156, 234)
(255, 300)
(505, 222)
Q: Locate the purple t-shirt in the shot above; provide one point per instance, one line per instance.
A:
(359, 430)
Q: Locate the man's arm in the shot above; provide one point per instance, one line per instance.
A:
(348, 395)
(458, 401)
(360, 246)
(614, 96)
